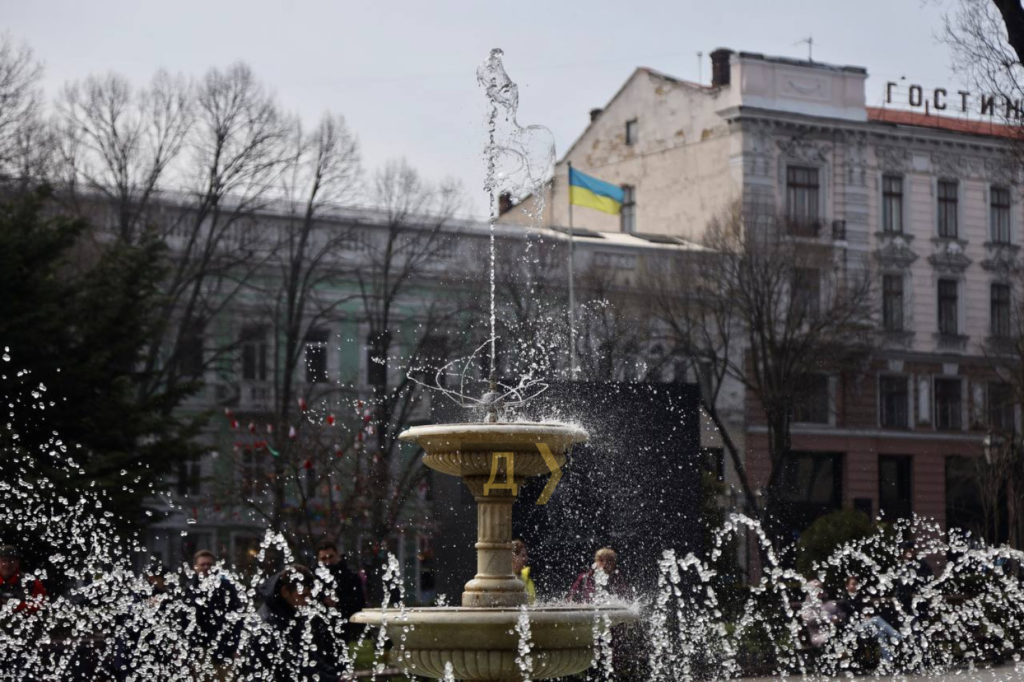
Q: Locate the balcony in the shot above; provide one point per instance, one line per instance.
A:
(949, 257)
(956, 343)
(1001, 258)
(894, 249)
(803, 227)
(815, 228)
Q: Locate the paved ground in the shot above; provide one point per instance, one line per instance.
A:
(1006, 673)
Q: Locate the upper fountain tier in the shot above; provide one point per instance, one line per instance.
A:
(465, 450)
(492, 459)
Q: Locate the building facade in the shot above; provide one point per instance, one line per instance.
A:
(221, 501)
(930, 204)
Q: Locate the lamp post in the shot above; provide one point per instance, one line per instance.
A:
(990, 446)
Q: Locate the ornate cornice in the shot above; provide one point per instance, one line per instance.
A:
(798, 149)
(948, 164)
(894, 159)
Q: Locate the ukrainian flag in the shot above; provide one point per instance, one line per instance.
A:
(585, 190)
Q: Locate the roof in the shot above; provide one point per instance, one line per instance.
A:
(958, 125)
(637, 71)
(790, 61)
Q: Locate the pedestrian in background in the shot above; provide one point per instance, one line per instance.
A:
(603, 576)
(343, 589)
(295, 642)
(24, 592)
(214, 611)
(521, 567)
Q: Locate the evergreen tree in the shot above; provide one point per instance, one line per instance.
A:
(75, 319)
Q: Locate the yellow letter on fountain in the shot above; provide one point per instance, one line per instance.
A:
(556, 473)
(510, 474)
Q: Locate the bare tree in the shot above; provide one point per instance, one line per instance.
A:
(25, 143)
(404, 267)
(616, 340)
(987, 40)
(188, 166)
(612, 332)
(774, 313)
(235, 153)
(302, 292)
(118, 144)
(987, 37)
(1002, 469)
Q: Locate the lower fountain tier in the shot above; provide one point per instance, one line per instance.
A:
(482, 643)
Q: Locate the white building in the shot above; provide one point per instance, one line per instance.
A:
(931, 202)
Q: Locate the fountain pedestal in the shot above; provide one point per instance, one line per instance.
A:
(479, 640)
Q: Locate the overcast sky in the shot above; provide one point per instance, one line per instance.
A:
(403, 72)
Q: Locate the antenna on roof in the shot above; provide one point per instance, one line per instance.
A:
(810, 47)
(700, 67)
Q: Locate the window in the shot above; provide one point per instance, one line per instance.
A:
(948, 307)
(631, 132)
(811, 405)
(1001, 407)
(893, 401)
(806, 291)
(251, 471)
(963, 496)
(254, 354)
(316, 356)
(1000, 311)
(188, 475)
(947, 404)
(999, 215)
(894, 486)
(802, 200)
(190, 351)
(892, 204)
(892, 303)
(812, 485)
(627, 214)
(947, 208)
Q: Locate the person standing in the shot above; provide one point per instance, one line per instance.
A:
(861, 616)
(521, 567)
(344, 590)
(214, 609)
(914, 574)
(603, 577)
(294, 642)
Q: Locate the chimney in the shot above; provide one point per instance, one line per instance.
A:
(594, 113)
(504, 203)
(720, 66)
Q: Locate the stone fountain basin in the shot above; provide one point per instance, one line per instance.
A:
(464, 450)
(482, 643)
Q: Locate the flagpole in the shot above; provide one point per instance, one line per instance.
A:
(572, 290)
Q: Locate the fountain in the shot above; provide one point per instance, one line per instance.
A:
(478, 641)
(104, 619)
(482, 639)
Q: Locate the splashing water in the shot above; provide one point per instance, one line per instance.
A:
(696, 622)
(524, 655)
(520, 160)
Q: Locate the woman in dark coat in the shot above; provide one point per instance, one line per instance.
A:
(294, 642)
